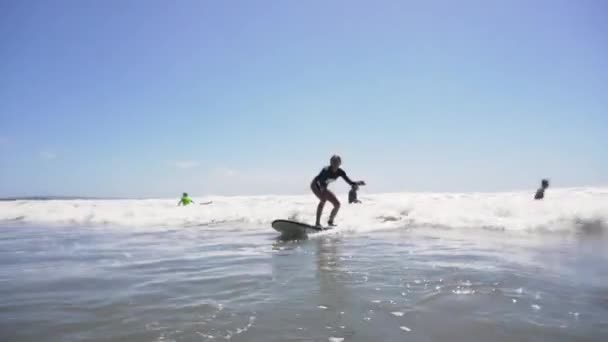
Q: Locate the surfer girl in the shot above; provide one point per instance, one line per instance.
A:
(319, 188)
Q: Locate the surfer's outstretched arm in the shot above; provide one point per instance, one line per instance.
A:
(349, 181)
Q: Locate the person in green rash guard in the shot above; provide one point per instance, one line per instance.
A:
(185, 200)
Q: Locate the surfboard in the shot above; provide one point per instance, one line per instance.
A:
(294, 229)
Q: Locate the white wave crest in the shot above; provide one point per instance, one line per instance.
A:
(577, 210)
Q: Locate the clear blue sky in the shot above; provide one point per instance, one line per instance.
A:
(152, 98)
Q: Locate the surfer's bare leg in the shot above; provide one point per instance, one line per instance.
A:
(319, 212)
(322, 199)
(334, 200)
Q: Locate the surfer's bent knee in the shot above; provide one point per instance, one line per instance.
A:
(332, 198)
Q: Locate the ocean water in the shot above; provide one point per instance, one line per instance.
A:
(416, 267)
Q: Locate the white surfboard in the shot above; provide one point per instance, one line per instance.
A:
(293, 229)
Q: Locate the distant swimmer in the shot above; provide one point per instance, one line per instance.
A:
(185, 200)
(321, 182)
(352, 194)
(540, 193)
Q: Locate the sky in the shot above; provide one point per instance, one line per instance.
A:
(153, 98)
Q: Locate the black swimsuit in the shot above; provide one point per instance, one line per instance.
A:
(327, 175)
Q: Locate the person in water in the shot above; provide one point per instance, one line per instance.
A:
(185, 200)
(352, 194)
(540, 193)
(321, 182)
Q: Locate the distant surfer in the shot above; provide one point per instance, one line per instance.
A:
(321, 182)
(185, 200)
(540, 193)
(352, 194)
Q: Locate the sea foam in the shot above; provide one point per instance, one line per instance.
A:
(571, 210)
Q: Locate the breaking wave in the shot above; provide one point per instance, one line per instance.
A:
(580, 210)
